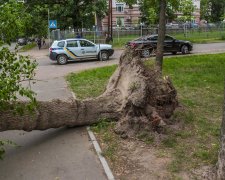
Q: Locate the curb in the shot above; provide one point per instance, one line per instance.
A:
(98, 150)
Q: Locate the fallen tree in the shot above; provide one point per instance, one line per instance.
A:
(137, 97)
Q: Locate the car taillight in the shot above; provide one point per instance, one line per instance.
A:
(50, 50)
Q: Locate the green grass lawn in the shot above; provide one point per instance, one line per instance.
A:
(202, 37)
(199, 80)
(195, 36)
(90, 83)
(119, 41)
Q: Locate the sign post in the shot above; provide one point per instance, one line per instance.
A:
(52, 24)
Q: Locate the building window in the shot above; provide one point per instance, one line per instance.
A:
(120, 21)
(119, 7)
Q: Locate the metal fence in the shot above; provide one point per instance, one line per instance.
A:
(120, 36)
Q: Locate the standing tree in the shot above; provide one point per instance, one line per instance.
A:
(187, 9)
(152, 16)
(75, 13)
(166, 10)
(161, 36)
(205, 10)
(212, 10)
(14, 68)
(164, 7)
(33, 20)
(217, 10)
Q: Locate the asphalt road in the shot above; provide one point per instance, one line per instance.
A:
(43, 59)
(54, 154)
(60, 153)
(209, 48)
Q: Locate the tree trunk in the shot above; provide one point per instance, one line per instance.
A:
(139, 98)
(161, 36)
(221, 158)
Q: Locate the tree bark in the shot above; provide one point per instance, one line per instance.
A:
(161, 36)
(57, 114)
(137, 97)
(221, 158)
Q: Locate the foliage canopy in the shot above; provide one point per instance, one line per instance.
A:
(14, 69)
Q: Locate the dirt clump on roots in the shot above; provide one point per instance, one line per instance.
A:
(148, 98)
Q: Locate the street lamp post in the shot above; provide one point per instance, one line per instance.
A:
(118, 33)
(94, 33)
(141, 29)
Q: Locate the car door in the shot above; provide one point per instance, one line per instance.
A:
(72, 49)
(168, 44)
(88, 49)
(153, 41)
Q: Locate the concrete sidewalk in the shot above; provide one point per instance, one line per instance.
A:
(54, 154)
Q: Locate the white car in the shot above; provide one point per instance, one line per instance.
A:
(78, 49)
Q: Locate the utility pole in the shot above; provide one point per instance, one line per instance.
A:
(110, 19)
(49, 36)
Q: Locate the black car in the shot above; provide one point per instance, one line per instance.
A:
(148, 44)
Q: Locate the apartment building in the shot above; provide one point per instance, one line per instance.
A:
(196, 13)
(124, 16)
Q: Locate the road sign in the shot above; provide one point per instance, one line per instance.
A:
(52, 24)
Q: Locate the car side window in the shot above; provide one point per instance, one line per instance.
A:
(84, 43)
(72, 43)
(61, 44)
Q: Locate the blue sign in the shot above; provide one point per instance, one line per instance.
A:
(52, 24)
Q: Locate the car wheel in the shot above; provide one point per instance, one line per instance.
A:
(62, 59)
(174, 53)
(145, 53)
(184, 49)
(103, 56)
